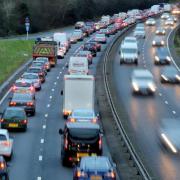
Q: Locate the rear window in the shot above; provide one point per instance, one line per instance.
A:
(22, 84)
(14, 114)
(79, 133)
(2, 137)
(30, 76)
(22, 97)
(83, 114)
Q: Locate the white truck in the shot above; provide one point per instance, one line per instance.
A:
(78, 65)
(79, 93)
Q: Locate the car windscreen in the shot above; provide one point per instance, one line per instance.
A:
(83, 133)
(22, 84)
(129, 50)
(30, 76)
(14, 114)
(34, 70)
(143, 78)
(2, 137)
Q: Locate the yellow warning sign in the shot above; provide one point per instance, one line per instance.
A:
(43, 51)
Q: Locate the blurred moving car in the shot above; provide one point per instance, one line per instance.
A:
(150, 21)
(158, 41)
(79, 140)
(3, 169)
(6, 144)
(14, 118)
(25, 101)
(100, 38)
(169, 134)
(139, 31)
(96, 168)
(170, 75)
(143, 82)
(46, 62)
(162, 56)
(83, 115)
(86, 54)
(160, 31)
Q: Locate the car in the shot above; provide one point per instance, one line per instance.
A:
(33, 78)
(100, 38)
(79, 24)
(25, 101)
(143, 82)
(39, 64)
(73, 38)
(14, 118)
(23, 86)
(83, 115)
(95, 167)
(130, 39)
(6, 144)
(169, 22)
(162, 56)
(88, 46)
(160, 31)
(104, 31)
(158, 41)
(79, 140)
(150, 22)
(170, 75)
(165, 16)
(139, 32)
(79, 34)
(169, 133)
(98, 45)
(46, 62)
(39, 71)
(3, 169)
(87, 54)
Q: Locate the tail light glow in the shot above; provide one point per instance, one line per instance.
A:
(29, 103)
(100, 143)
(2, 165)
(12, 103)
(66, 143)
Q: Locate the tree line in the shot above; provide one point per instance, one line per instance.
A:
(48, 14)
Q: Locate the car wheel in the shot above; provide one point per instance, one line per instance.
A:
(136, 62)
(33, 112)
(121, 62)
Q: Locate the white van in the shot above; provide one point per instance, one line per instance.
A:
(78, 65)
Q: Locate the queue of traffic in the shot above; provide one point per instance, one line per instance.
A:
(82, 142)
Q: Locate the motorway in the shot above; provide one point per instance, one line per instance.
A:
(145, 113)
(36, 153)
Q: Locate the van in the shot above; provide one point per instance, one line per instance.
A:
(78, 65)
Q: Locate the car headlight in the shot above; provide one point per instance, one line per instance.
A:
(152, 87)
(164, 77)
(157, 32)
(178, 77)
(162, 42)
(154, 42)
(164, 32)
(168, 58)
(156, 58)
(135, 86)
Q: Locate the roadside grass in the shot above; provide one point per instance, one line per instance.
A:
(13, 53)
(177, 42)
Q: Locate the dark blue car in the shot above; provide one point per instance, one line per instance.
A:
(95, 168)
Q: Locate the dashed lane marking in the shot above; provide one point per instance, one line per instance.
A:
(46, 115)
(57, 77)
(52, 90)
(40, 157)
(48, 105)
(160, 94)
(42, 141)
(39, 178)
(44, 126)
(174, 112)
(50, 97)
(166, 102)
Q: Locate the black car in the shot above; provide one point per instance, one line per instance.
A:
(3, 169)
(170, 75)
(42, 65)
(95, 167)
(24, 100)
(162, 56)
(14, 118)
(79, 140)
(39, 71)
(89, 46)
(98, 45)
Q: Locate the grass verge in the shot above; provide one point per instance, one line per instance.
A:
(13, 53)
(177, 42)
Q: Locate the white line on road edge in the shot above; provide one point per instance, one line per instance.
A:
(170, 51)
(3, 98)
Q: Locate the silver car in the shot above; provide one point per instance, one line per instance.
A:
(143, 82)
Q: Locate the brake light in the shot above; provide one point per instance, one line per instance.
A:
(94, 120)
(13, 88)
(2, 165)
(24, 121)
(12, 103)
(31, 88)
(29, 103)
(72, 120)
(81, 174)
(111, 174)
(6, 143)
(100, 143)
(1, 120)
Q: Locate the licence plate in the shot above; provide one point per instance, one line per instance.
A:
(13, 125)
(96, 178)
(82, 155)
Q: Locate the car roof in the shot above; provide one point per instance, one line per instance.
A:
(142, 72)
(95, 163)
(85, 125)
(23, 81)
(29, 73)
(3, 131)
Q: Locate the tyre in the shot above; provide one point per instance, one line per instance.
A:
(121, 62)
(136, 62)
(33, 112)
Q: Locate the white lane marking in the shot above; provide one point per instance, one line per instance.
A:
(39, 178)
(160, 94)
(63, 68)
(40, 157)
(60, 72)
(52, 90)
(46, 115)
(55, 83)
(166, 102)
(3, 98)
(57, 77)
(42, 141)
(174, 112)
(44, 126)
(170, 51)
(48, 105)
(50, 97)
